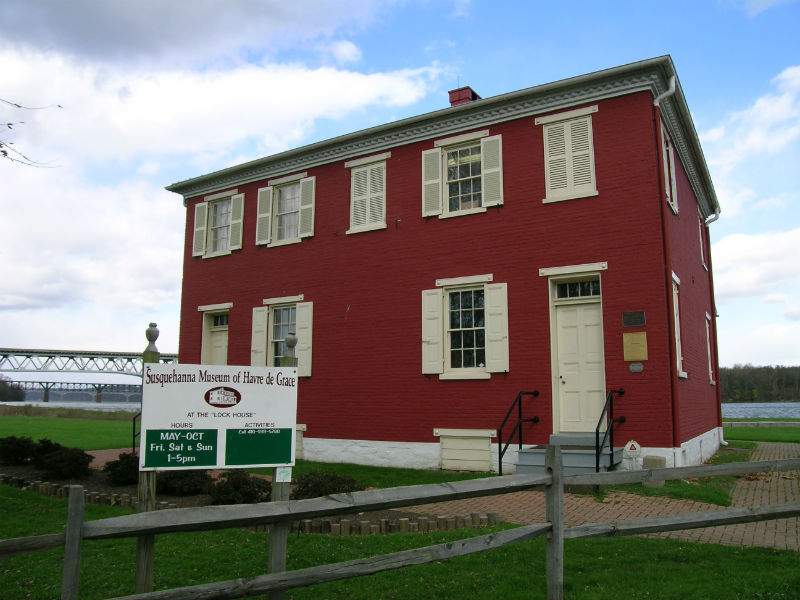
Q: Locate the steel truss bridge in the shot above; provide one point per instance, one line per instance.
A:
(17, 360)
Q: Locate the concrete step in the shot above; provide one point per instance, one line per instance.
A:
(576, 459)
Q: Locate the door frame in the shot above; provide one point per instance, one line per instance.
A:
(556, 275)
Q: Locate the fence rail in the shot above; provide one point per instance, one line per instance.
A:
(221, 517)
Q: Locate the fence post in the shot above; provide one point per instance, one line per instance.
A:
(72, 544)
(555, 516)
(145, 544)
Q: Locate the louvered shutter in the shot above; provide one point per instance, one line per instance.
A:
(359, 197)
(431, 183)
(496, 327)
(555, 144)
(432, 334)
(306, 228)
(258, 342)
(492, 170)
(264, 216)
(304, 315)
(377, 195)
(237, 216)
(199, 239)
(582, 156)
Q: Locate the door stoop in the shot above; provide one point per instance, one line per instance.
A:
(577, 455)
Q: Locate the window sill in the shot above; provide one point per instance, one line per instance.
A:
(575, 196)
(467, 374)
(683, 375)
(461, 213)
(216, 254)
(365, 229)
(284, 242)
(674, 208)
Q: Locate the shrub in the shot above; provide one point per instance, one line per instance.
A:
(16, 450)
(42, 449)
(183, 483)
(124, 470)
(10, 391)
(237, 487)
(317, 483)
(67, 463)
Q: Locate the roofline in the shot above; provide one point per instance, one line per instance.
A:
(651, 75)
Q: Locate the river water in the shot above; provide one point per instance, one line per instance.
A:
(761, 410)
(738, 410)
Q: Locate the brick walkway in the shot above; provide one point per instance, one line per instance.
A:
(755, 490)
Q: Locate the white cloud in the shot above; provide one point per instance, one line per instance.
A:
(755, 264)
(776, 298)
(342, 51)
(743, 346)
(756, 7)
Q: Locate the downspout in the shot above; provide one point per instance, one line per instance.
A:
(666, 94)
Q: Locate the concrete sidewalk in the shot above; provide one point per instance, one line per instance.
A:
(751, 490)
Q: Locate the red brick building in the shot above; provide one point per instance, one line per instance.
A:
(551, 239)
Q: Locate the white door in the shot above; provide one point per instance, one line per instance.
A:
(218, 345)
(580, 376)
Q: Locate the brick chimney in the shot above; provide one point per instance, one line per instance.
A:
(462, 95)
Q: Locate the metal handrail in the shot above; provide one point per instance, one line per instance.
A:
(609, 433)
(501, 449)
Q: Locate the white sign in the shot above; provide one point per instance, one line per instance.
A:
(632, 450)
(216, 417)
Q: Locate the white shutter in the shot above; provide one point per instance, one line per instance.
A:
(199, 240)
(432, 335)
(670, 190)
(359, 197)
(307, 186)
(264, 216)
(496, 327)
(377, 195)
(582, 155)
(237, 216)
(304, 315)
(555, 150)
(258, 343)
(431, 183)
(492, 170)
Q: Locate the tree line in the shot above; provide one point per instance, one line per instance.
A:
(746, 383)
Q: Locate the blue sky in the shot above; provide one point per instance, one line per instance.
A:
(156, 92)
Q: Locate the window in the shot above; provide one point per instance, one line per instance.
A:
(568, 154)
(677, 318)
(709, 351)
(465, 328)
(214, 346)
(218, 224)
(367, 193)
(286, 210)
(462, 175)
(272, 323)
(578, 289)
(668, 158)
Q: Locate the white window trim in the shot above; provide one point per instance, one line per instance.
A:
(573, 269)
(460, 139)
(368, 162)
(434, 181)
(567, 115)
(215, 307)
(284, 299)
(670, 180)
(287, 179)
(202, 212)
(360, 162)
(434, 329)
(676, 312)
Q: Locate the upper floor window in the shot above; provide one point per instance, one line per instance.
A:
(568, 154)
(368, 193)
(462, 175)
(668, 158)
(465, 328)
(286, 210)
(218, 224)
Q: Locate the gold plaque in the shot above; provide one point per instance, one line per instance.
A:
(634, 346)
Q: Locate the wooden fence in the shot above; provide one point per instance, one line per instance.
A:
(282, 512)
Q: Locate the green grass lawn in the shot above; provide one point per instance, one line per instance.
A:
(87, 434)
(763, 434)
(635, 568)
